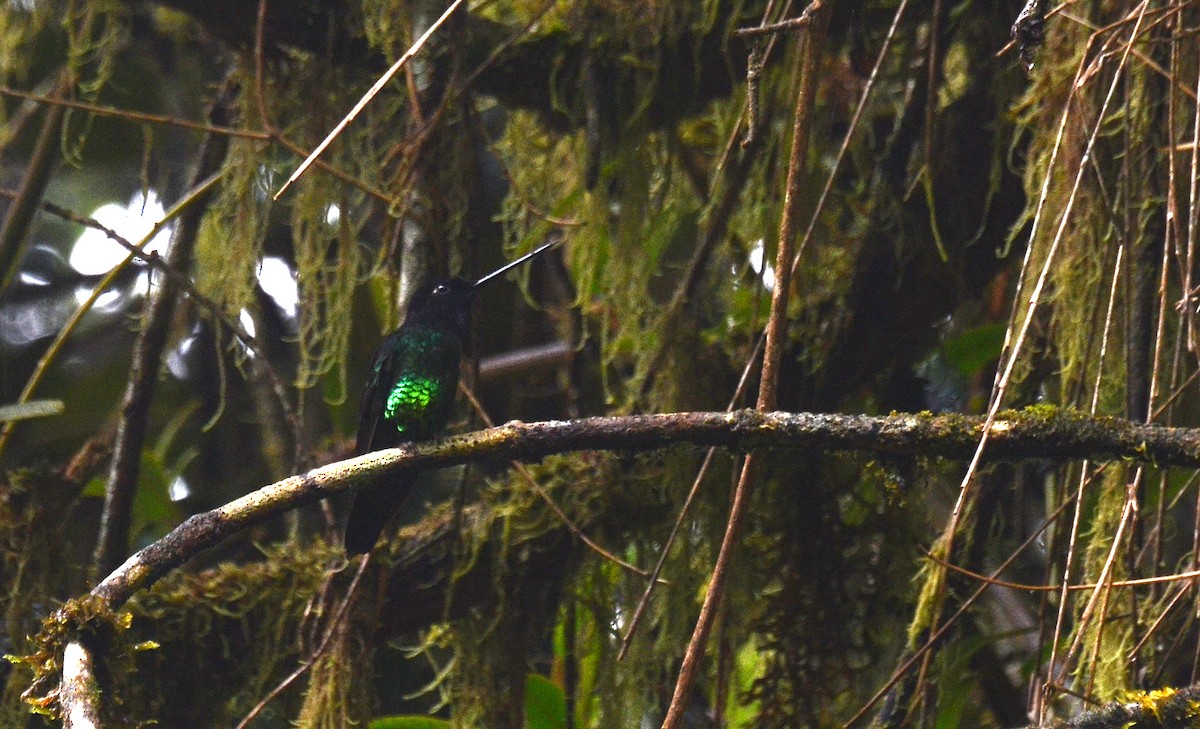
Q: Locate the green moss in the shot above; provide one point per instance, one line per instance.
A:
(88, 621)
(1105, 639)
(236, 625)
(1042, 411)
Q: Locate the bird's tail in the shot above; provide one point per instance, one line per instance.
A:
(372, 509)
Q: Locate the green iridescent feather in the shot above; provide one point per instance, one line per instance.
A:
(417, 375)
(410, 398)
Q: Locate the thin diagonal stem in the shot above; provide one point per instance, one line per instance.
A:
(772, 354)
(113, 540)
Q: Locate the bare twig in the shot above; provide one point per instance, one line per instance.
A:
(851, 130)
(276, 135)
(566, 520)
(538, 357)
(133, 116)
(15, 230)
(772, 353)
(935, 635)
(326, 639)
(371, 93)
(113, 540)
(683, 512)
(804, 20)
(1189, 575)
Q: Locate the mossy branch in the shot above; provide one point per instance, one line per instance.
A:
(1038, 432)
(1164, 708)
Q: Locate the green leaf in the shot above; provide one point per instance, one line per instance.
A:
(975, 348)
(152, 505)
(31, 409)
(95, 487)
(545, 703)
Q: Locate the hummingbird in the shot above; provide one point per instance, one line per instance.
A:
(410, 391)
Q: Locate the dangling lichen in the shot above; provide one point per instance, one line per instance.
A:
(327, 263)
(96, 33)
(1105, 640)
(230, 243)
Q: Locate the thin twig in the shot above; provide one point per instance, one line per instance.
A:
(1024, 587)
(133, 116)
(804, 20)
(371, 93)
(276, 135)
(351, 591)
(935, 635)
(1035, 297)
(772, 354)
(1072, 544)
(541, 492)
(51, 353)
(112, 542)
(848, 136)
(683, 510)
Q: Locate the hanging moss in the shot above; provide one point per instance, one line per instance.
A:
(328, 264)
(96, 33)
(1105, 640)
(231, 239)
(237, 629)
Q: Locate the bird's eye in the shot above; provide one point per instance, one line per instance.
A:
(441, 289)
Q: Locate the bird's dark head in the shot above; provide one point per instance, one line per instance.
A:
(446, 302)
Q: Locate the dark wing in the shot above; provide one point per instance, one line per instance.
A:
(370, 407)
(373, 505)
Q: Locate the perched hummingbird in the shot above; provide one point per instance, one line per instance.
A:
(410, 392)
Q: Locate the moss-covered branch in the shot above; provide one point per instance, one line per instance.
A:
(1165, 708)
(1032, 433)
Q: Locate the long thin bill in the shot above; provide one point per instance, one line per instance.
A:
(513, 264)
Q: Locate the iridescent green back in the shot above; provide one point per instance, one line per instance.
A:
(413, 383)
